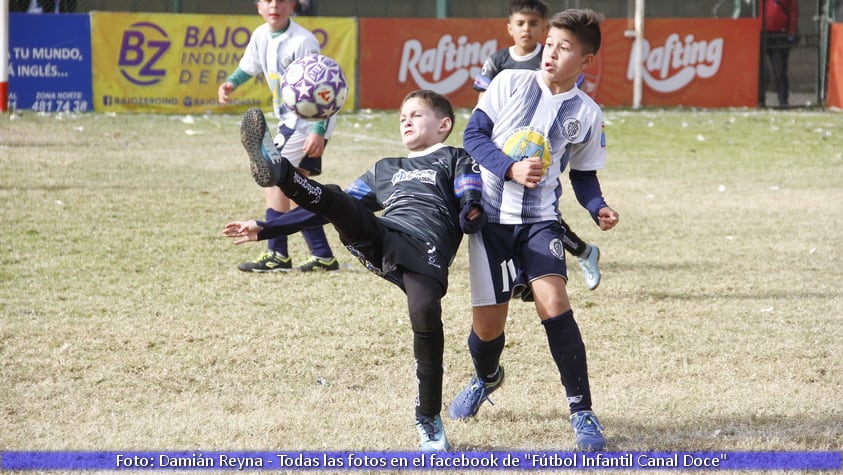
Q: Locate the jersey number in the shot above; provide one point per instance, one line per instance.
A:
(507, 275)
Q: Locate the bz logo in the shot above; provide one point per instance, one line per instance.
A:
(143, 45)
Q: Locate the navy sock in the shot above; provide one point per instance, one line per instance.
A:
(277, 244)
(486, 355)
(568, 350)
(317, 242)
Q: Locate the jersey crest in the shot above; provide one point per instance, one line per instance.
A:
(571, 129)
(557, 249)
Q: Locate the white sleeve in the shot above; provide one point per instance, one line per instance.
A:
(492, 101)
(251, 60)
(591, 154)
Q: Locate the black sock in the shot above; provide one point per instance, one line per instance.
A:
(486, 355)
(424, 296)
(568, 350)
(307, 193)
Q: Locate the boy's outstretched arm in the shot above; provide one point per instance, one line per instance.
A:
(243, 231)
(289, 223)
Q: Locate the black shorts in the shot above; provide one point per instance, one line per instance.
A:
(389, 253)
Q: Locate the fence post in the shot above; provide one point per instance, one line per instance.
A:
(443, 9)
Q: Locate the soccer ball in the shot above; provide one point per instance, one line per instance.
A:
(314, 87)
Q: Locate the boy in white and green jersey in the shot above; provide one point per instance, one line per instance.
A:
(272, 47)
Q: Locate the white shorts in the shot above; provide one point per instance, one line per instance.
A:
(290, 143)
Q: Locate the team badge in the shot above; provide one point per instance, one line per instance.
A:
(557, 249)
(433, 256)
(571, 129)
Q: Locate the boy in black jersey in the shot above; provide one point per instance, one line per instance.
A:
(428, 198)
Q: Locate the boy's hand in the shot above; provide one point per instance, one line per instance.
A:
(607, 218)
(314, 145)
(244, 230)
(472, 218)
(224, 91)
(527, 172)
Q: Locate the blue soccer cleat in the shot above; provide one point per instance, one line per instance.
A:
(588, 262)
(469, 400)
(588, 431)
(431, 434)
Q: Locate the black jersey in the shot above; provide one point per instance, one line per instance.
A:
(421, 195)
(506, 59)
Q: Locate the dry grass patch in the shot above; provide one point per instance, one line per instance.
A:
(126, 326)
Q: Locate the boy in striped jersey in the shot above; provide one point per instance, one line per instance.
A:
(527, 25)
(526, 129)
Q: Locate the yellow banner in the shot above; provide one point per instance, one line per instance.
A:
(174, 63)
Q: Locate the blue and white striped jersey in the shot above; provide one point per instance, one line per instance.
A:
(527, 120)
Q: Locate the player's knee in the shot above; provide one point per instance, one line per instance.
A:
(426, 315)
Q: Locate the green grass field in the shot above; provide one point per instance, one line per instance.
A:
(125, 325)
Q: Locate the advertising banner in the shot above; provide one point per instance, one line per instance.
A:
(50, 63)
(422, 53)
(685, 62)
(170, 63)
(690, 62)
(835, 67)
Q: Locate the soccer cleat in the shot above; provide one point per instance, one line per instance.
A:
(431, 434)
(588, 261)
(320, 264)
(469, 400)
(588, 431)
(264, 158)
(269, 261)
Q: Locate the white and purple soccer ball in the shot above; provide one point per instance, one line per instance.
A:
(314, 87)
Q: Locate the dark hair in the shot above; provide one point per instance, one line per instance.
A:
(440, 104)
(584, 24)
(529, 6)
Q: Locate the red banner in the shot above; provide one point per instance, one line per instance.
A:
(690, 62)
(835, 67)
(401, 55)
